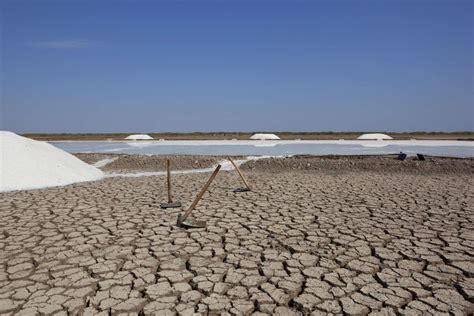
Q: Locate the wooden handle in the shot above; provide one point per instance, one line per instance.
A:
(199, 196)
(240, 173)
(168, 173)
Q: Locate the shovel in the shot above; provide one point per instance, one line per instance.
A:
(247, 187)
(183, 221)
(170, 203)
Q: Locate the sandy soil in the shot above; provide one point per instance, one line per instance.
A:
(92, 158)
(325, 164)
(137, 163)
(337, 164)
(352, 242)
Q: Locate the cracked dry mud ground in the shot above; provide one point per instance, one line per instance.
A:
(302, 243)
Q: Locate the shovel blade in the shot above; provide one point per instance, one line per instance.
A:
(190, 223)
(170, 205)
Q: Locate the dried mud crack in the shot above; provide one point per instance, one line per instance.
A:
(304, 242)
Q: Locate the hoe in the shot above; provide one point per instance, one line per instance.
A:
(183, 221)
(247, 186)
(170, 203)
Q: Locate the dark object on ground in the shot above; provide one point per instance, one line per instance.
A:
(401, 156)
(170, 205)
(239, 190)
(421, 157)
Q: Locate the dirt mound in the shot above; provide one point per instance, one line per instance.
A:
(145, 163)
(329, 164)
(336, 164)
(92, 158)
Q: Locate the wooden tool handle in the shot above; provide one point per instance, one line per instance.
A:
(240, 173)
(168, 174)
(199, 196)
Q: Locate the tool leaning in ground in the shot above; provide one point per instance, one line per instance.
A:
(170, 203)
(421, 157)
(401, 156)
(183, 221)
(247, 186)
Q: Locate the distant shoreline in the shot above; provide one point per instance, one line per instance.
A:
(246, 136)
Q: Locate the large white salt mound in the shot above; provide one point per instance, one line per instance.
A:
(374, 136)
(30, 164)
(138, 137)
(262, 136)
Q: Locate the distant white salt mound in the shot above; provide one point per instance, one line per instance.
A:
(29, 164)
(138, 137)
(374, 136)
(262, 136)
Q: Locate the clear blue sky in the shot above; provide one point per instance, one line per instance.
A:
(151, 66)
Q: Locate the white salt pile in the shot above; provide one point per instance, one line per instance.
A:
(29, 164)
(263, 136)
(138, 137)
(374, 136)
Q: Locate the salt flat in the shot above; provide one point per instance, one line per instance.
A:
(305, 241)
(448, 148)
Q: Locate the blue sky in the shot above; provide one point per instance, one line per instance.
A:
(154, 66)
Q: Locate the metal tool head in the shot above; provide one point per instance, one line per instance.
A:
(190, 223)
(420, 156)
(170, 205)
(238, 190)
(401, 156)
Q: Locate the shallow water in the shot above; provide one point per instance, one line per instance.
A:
(273, 148)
